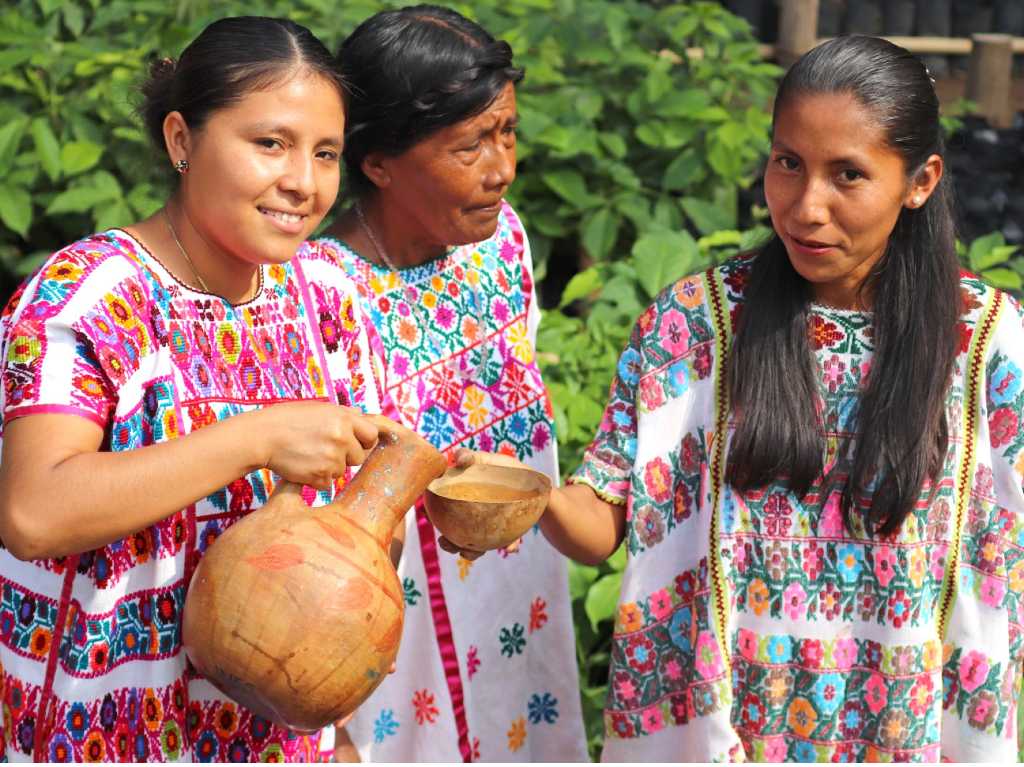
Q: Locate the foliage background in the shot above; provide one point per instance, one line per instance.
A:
(636, 162)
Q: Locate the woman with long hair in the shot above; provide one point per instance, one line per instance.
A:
(815, 457)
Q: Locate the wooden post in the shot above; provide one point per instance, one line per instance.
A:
(990, 78)
(798, 29)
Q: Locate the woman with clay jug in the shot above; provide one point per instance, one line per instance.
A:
(156, 378)
(486, 668)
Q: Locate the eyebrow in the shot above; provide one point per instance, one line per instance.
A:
(288, 133)
(844, 160)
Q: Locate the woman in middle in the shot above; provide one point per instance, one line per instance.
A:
(487, 667)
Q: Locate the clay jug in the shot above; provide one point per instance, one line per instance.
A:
(296, 612)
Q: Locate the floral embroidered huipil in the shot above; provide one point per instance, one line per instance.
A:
(487, 668)
(757, 625)
(90, 645)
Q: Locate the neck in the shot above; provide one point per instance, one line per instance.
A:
(201, 264)
(388, 238)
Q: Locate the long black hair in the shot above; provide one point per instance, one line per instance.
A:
(230, 58)
(901, 428)
(412, 72)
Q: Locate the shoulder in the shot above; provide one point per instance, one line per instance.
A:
(509, 237)
(687, 318)
(333, 259)
(93, 270)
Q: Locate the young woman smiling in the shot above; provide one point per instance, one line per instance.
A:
(156, 380)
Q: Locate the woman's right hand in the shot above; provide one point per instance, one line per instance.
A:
(311, 443)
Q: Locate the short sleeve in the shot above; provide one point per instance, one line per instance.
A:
(51, 363)
(608, 461)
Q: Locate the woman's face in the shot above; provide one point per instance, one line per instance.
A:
(834, 189)
(449, 186)
(264, 171)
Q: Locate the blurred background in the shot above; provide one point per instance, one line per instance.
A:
(644, 128)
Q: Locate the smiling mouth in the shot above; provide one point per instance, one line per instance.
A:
(280, 215)
(812, 244)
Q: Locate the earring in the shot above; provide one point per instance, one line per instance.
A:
(917, 200)
(181, 166)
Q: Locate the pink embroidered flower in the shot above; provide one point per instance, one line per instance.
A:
(831, 522)
(811, 653)
(813, 561)
(653, 720)
(747, 641)
(660, 604)
(624, 688)
(885, 564)
(1003, 425)
(876, 693)
(538, 614)
(833, 369)
(794, 601)
(777, 511)
(992, 591)
(707, 660)
(472, 661)
(921, 695)
(652, 394)
(845, 653)
(673, 670)
(674, 332)
(974, 670)
(775, 749)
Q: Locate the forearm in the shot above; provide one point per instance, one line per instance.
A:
(581, 525)
(85, 500)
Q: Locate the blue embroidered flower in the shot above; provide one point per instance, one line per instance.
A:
(679, 629)
(728, 511)
(543, 709)
(851, 719)
(1005, 384)
(518, 425)
(829, 692)
(780, 648)
(436, 426)
(678, 378)
(385, 725)
(629, 367)
(77, 721)
(410, 592)
(804, 751)
(850, 561)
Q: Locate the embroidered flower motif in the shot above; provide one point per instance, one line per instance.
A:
(423, 705)
(465, 565)
(794, 601)
(829, 692)
(538, 614)
(658, 480)
(707, 659)
(649, 525)
(516, 734)
(630, 617)
(512, 640)
(543, 708)
(757, 596)
(876, 693)
(660, 604)
(385, 725)
(472, 661)
(640, 654)
(801, 717)
(974, 668)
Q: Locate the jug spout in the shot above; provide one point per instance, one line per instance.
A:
(392, 478)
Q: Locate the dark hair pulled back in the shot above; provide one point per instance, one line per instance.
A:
(411, 72)
(901, 428)
(230, 58)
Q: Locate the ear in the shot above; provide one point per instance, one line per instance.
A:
(377, 168)
(924, 182)
(177, 137)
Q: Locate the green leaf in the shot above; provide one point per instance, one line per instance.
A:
(1000, 254)
(662, 257)
(10, 138)
(600, 230)
(1003, 278)
(16, 209)
(47, 148)
(603, 599)
(617, 561)
(683, 103)
(567, 184)
(706, 216)
(78, 199)
(614, 143)
(581, 285)
(685, 171)
(580, 578)
(982, 246)
(78, 156)
(109, 216)
(74, 19)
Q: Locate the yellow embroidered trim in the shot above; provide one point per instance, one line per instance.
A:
(974, 381)
(720, 592)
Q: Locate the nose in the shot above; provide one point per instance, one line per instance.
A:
(501, 170)
(811, 207)
(299, 177)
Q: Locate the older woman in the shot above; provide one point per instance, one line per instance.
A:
(487, 667)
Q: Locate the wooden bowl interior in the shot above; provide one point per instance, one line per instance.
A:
(487, 484)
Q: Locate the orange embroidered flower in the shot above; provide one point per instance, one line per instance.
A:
(517, 734)
(802, 717)
(757, 596)
(630, 617)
